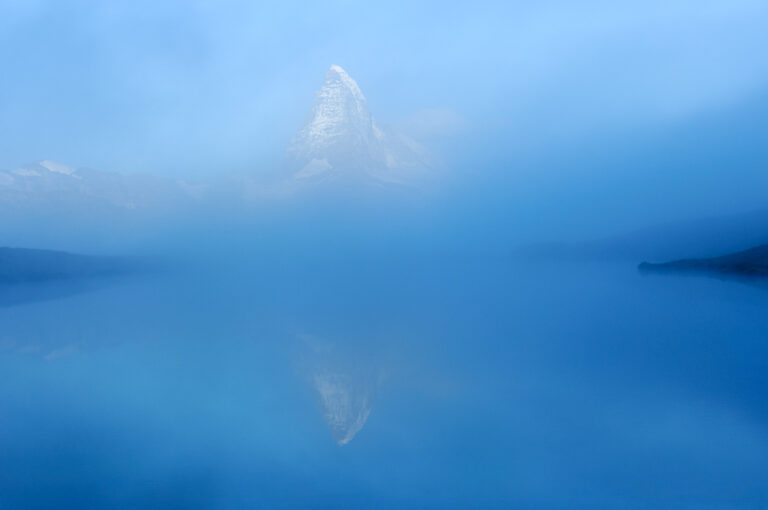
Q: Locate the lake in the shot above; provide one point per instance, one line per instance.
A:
(384, 382)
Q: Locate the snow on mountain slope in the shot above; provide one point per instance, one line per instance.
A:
(58, 168)
(48, 183)
(341, 139)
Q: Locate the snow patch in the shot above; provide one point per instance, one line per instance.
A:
(314, 167)
(57, 167)
(26, 172)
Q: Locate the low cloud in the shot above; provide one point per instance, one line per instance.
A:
(434, 123)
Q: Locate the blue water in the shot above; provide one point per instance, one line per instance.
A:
(492, 383)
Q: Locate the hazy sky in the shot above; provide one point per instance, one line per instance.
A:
(197, 88)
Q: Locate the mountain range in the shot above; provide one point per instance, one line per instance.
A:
(49, 183)
(340, 142)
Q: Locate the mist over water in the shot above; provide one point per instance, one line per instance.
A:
(329, 360)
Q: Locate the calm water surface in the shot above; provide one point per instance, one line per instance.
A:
(475, 383)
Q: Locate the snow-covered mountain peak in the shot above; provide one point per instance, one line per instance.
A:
(339, 107)
(341, 138)
(337, 75)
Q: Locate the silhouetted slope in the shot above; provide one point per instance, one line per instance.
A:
(748, 263)
(24, 265)
(696, 238)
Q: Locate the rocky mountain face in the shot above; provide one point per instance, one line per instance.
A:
(341, 140)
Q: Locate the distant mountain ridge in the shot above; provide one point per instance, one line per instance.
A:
(49, 183)
(342, 140)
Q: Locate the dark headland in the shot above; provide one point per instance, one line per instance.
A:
(751, 263)
(18, 265)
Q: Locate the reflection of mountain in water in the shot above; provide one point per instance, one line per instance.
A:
(31, 292)
(346, 386)
(346, 404)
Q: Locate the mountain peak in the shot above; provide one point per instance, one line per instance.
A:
(337, 69)
(341, 137)
(336, 76)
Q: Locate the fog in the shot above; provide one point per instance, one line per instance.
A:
(478, 336)
(297, 378)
